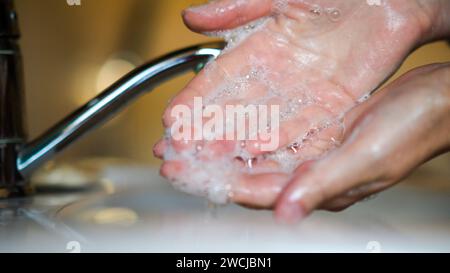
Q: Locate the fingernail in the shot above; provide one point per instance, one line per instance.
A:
(289, 213)
(158, 149)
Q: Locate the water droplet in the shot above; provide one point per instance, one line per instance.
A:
(280, 6)
(315, 11)
(198, 147)
(220, 10)
(251, 162)
(364, 98)
(335, 142)
(294, 147)
(230, 194)
(249, 27)
(334, 14)
(311, 132)
(256, 145)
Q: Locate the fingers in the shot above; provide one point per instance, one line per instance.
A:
(159, 148)
(259, 190)
(172, 169)
(225, 14)
(354, 195)
(388, 137)
(325, 183)
(350, 165)
(325, 179)
(350, 119)
(288, 131)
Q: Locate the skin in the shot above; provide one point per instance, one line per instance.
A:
(351, 71)
(376, 152)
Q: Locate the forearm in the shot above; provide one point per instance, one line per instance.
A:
(437, 103)
(446, 91)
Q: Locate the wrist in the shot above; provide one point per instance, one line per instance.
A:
(441, 90)
(447, 97)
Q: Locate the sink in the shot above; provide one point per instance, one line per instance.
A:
(140, 211)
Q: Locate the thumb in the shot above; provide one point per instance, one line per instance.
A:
(348, 166)
(225, 14)
(326, 179)
(385, 141)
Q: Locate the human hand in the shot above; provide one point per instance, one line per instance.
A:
(300, 53)
(385, 138)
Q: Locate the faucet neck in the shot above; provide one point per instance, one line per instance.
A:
(8, 20)
(12, 130)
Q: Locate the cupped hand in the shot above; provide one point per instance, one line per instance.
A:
(316, 59)
(385, 138)
(324, 53)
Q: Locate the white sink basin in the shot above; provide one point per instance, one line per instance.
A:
(146, 214)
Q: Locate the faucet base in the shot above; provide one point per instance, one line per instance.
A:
(12, 108)
(12, 184)
(17, 191)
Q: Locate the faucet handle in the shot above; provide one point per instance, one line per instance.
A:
(12, 129)
(8, 20)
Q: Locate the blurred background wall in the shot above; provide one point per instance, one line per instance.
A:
(72, 52)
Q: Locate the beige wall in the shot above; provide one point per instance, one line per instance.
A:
(64, 48)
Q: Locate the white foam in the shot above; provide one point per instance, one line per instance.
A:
(214, 177)
(235, 36)
(376, 3)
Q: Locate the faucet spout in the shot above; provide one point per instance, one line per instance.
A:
(110, 101)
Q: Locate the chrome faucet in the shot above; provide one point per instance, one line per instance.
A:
(18, 159)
